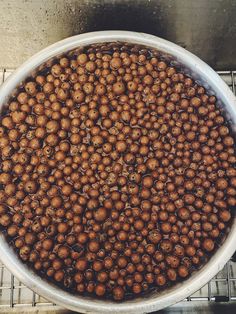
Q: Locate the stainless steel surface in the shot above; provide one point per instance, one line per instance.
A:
(17, 298)
(206, 76)
(206, 28)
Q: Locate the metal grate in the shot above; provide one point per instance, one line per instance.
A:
(222, 288)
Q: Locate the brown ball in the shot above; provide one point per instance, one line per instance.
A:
(183, 271)
(160, 280)
(208, 245)
(225, 215)
(118, 293)
(100, 214)
(81, 264)
(118, 88)
(93, 246)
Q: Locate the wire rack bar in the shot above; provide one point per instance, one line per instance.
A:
(222, 288)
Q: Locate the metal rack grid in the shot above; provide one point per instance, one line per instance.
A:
(16, 296)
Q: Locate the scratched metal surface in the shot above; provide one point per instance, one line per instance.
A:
(206, 28)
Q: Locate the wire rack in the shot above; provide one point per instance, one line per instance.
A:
(14, 296)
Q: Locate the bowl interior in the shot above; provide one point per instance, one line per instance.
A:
(204, 75)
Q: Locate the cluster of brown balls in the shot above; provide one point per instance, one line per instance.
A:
(117, 172)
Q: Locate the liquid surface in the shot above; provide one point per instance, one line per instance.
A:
(117, 172)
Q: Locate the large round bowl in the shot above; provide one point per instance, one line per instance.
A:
(201, 72)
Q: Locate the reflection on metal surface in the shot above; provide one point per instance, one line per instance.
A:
(206, 28)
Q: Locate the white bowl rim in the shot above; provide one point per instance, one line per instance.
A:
(176, 293)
